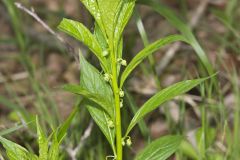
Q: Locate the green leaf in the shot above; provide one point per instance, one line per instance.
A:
(95, 97)
(80, 32)
(99, 36)
(92, 6)
(189, 150)
(133, 107)
(161, 97)
(146, 52)
(125, 10)
(54, 148)
(160, 149)
(108, 11)
(14, 151)
(183, 28)
(205, 140)
(62, 131)
(13, 129)
(92, 80)
(42, 142)
(101, 118)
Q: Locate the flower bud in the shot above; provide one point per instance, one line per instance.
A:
(123, 142)
(110, 124)
(105, 53)
(121, 103)
(106, 77)
(124, 62)
(129, 142)
(121, 93)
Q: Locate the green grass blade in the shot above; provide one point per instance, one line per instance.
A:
(13, 129)
(16, 24)
(26, 116)
(183, 28)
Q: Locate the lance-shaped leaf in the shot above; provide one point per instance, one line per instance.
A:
(53, 153)
(42, 142)
(108, 11)
(125, 10)
(95, 97)
(160, 149)
(92, 7)
(146, 52)
(62, 131)
(14, 151)
(102, 119)
(161, 97)
(81, 33)
(99, 36)
(92, 80)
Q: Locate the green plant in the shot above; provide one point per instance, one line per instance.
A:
(104, 93)
(49, 147)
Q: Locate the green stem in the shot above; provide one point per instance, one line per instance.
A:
(117, 105)
(118, 122)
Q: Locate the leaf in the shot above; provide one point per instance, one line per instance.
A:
(42, 142)
(125, 10)
(62, 131)
(108, 11)
(146, 52)
(95, 97)
(92, 7)
(189, 150)
(205, 140)
(99, 36)
(54, 148)
(161, 97)
(92, 80)
(133, 107)
(80, 32)
(101, 118)
(14, 151)
(183, 28)
(13, 129)
(161, 148)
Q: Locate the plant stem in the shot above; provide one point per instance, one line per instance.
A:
(117, 107)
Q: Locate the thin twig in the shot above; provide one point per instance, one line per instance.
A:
(32, 13)
(73, 152)
(176, 46)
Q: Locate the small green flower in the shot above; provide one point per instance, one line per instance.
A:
(105, 53)
(106, 77)
(129, 142)
(110, 124)
(121, 93)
